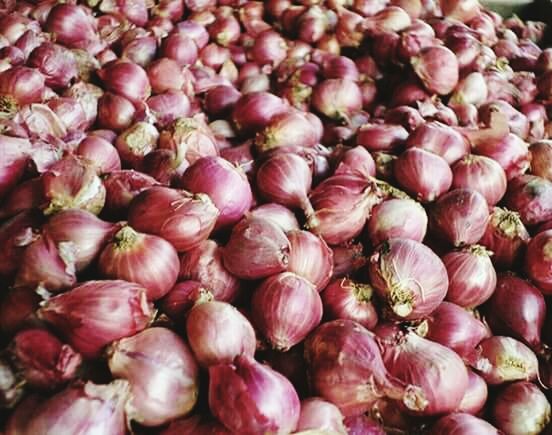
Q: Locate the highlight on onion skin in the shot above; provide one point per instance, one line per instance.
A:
(476, 395)
(537, 260)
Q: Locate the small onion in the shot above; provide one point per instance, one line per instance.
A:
(521, 409)
(286, 308)
(231, 335)
(162, 373)
(538, 259)
(287, 129)
(381, 137)
(135, 142)
(363, 425)
(115, 112)
(21, 85)
(55, 62)
(73, 26)
(476, 395)
(277, 214)
(126, 79)
(242, 397)
(356, 161)
(472, 277)
(503, 359)
(319, 415)
(460, 423)
(254, 111)
(257, 248)
(18, 310)
(482, 174)
(409, 277)
(181, 299)
(511, 152)
(440, 139)
(397, 218)
(541, 164)
(168, 107)
(102, 153)
(438, 69)
(460, 217)
(531, 197)
(337, 98)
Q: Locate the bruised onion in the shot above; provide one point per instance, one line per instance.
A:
(357, 379)
(397, 218)
(218, 333)
(204, 264)
(472, 277)
(350, 300)
(541, 164)
(319, 415)
(423, 174)
(531, 197)
(286, 308)
(257, 248)
(162, 373)
(518, 309)
(409, 277)
(226, 185)
(538, 259)
(460, 217)
(482, 174)
(310, 257)
(502, 359)
(96, 313)
(461, 423)
(242, 397)
(182, 218)
(521, 408)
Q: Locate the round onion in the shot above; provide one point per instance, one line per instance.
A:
(318, 414)
(462, 424)
(541, 159)
(440, 139)
(531, 197)
(476, 395)
(538, 260)
(438, 69)
(310, 257)
(482, 174)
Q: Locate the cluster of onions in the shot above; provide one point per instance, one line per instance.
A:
(274, 217)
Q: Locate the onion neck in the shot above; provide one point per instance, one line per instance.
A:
(126, 238)
(362, 292)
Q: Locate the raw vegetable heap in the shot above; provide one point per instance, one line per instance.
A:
(274, 217)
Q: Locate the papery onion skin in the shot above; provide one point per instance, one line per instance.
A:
(126, 79)
(310, 257)
(541, 159)
(355, 381)
(286, 308)
(503, 359)
(521, 409)
(55, 62)
(318, 414)
(350, 300)
(506, 237)
(440, 139)
(218, 333)
(460, 217)
(337, 98)
(482, 174)
(538, 259)
(476, 395)
(276, 213)
(141, 258)
(437, 67)
(437, 370)
(72, 25)
(238, 398)
(102, 153)
(162, 372)
(21, 85)
(257, 248)
(179, 217)
(135, 142)
(463, 424)
(531, 197)
(356, 161)
(397, 218)
(226, 185)
(409, 277)
(96, 313)
(472, 277)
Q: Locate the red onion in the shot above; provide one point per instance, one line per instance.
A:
(40, 121)
(537, 261)
(511, 153)
(440, 139)
(254, 111)
(286, 308)
(408, 93)
(423, 174)
(18, 310)
(81, 230)
(73, 183)
(319, 415)
(55, 62)
(13, 26)
(358, 378)
(241, 396)
(409, 277)
(381, 137)
(472, 278)
(73, 26)
(204, 264)
(115, 112)
(437, 67)
(363, 425)
(45, 361)
(181, 218)
(531, 197)
(397, 218)
(47, 264)
(126, 79)
(226, 185)
(195, 31)
(348, 259)
(80, 314)
(162, 373)
(277, 214)
(517, 122)
(181, 299)
(140, 51)
(476, 395)
(503, 359)
(310, 258)
(193, 425)
(135, 142)
(537, 117)
(141, 258)
(356, 161)
(121, 187)
(460, 217)
(257, 248)
(20, 85)
(180, 47)
(269, 48)
(70, 113)
(350, 300)
(165, 74)
(455, 328)
(225, 30)
(518, 309)
(232, 334)
(168, 107)
(521, 408)
(436, 370)
(287, 129)
(337, 98)
(102, 153)
(462, 423)
(14, 153)
(25, 196)
(80, 408)
(342, 203)
(219, 100)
